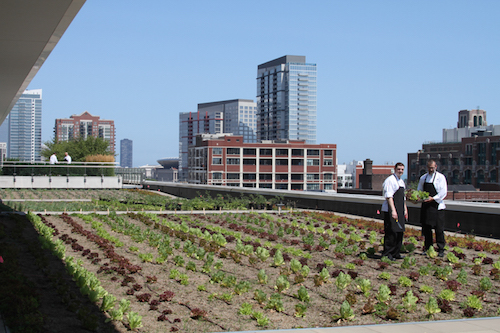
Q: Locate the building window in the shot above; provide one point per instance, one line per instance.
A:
(328, 152)
(266, 152)
(327, 162)
(217, 151)
(249, 161)
(281, 176)
(281, 152)
(233, 184)
(265, 176)
(312, 187)
(217, 175)
(281, 162)
(468, 149)
(298, 187)
(311, 161)
(297, 176)
(328, 186)
(266, 161)
(233, 151)
(313, 176)
(216, 160)
(282, 186)
(233, 176)
(249, 151)
(313, 152)
(297, 162)
(297, 152)
(233, 161)
(249, 185)
(249, 176)
(265, 185)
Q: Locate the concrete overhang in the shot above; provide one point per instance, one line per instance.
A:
(29, 31)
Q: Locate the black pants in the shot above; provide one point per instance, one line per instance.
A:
(392, 240)
(439, 228)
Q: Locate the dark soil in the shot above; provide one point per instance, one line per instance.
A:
(64, 309)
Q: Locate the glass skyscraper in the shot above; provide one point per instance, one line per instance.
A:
(286, 100)
(126, 153)
(25, 127)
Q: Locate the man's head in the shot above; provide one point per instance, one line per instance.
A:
(431, 166)
(66, 154)
(399, 169)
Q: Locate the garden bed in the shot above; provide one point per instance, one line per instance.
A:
(238, 272)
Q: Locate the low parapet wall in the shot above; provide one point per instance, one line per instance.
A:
(482, 219)
(61, 182)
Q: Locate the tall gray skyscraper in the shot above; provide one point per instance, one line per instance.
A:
(126, 153)
(24, 138)
(286, 99)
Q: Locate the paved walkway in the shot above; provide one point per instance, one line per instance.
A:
(480, 325)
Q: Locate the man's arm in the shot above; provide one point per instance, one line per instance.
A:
(441, 188)
(420, 186)
(394, 213)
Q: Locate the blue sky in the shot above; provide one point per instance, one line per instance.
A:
(391, 74)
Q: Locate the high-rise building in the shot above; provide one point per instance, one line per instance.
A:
(236, 116)
(126, 153)
(24, 126)
(85, 125)
(286, 99)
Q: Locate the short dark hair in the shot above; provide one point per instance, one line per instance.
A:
(398, 164)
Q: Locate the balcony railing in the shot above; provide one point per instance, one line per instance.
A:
(16, 168)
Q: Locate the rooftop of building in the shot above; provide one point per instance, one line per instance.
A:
(283, 60)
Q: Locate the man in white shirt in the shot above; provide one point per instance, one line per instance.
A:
(67, 158)
(432, 213)
(53, 159)
(395, 213)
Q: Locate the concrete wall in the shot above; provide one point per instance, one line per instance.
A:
(482, 219)
(54, 182)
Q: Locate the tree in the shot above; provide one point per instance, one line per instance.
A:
(78, 148)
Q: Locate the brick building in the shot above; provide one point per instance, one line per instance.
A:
(83, 126)
(474, 160)
(469, 154)
(288, 165)
(372, 177)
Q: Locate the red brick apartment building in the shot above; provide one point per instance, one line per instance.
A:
(83, 126)
(287, 165)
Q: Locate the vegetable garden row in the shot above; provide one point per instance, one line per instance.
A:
(238, 272)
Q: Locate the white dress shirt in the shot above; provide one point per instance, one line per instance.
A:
(440, 184)
(390, 186)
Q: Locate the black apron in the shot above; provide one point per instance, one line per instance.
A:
(429, 213)
(399, 204)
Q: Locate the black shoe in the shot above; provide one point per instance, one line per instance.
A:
(400, 256)
(441, 254)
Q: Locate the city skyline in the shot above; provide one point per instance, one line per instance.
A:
(387, 71)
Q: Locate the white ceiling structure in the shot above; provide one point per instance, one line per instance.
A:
(29, 31)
